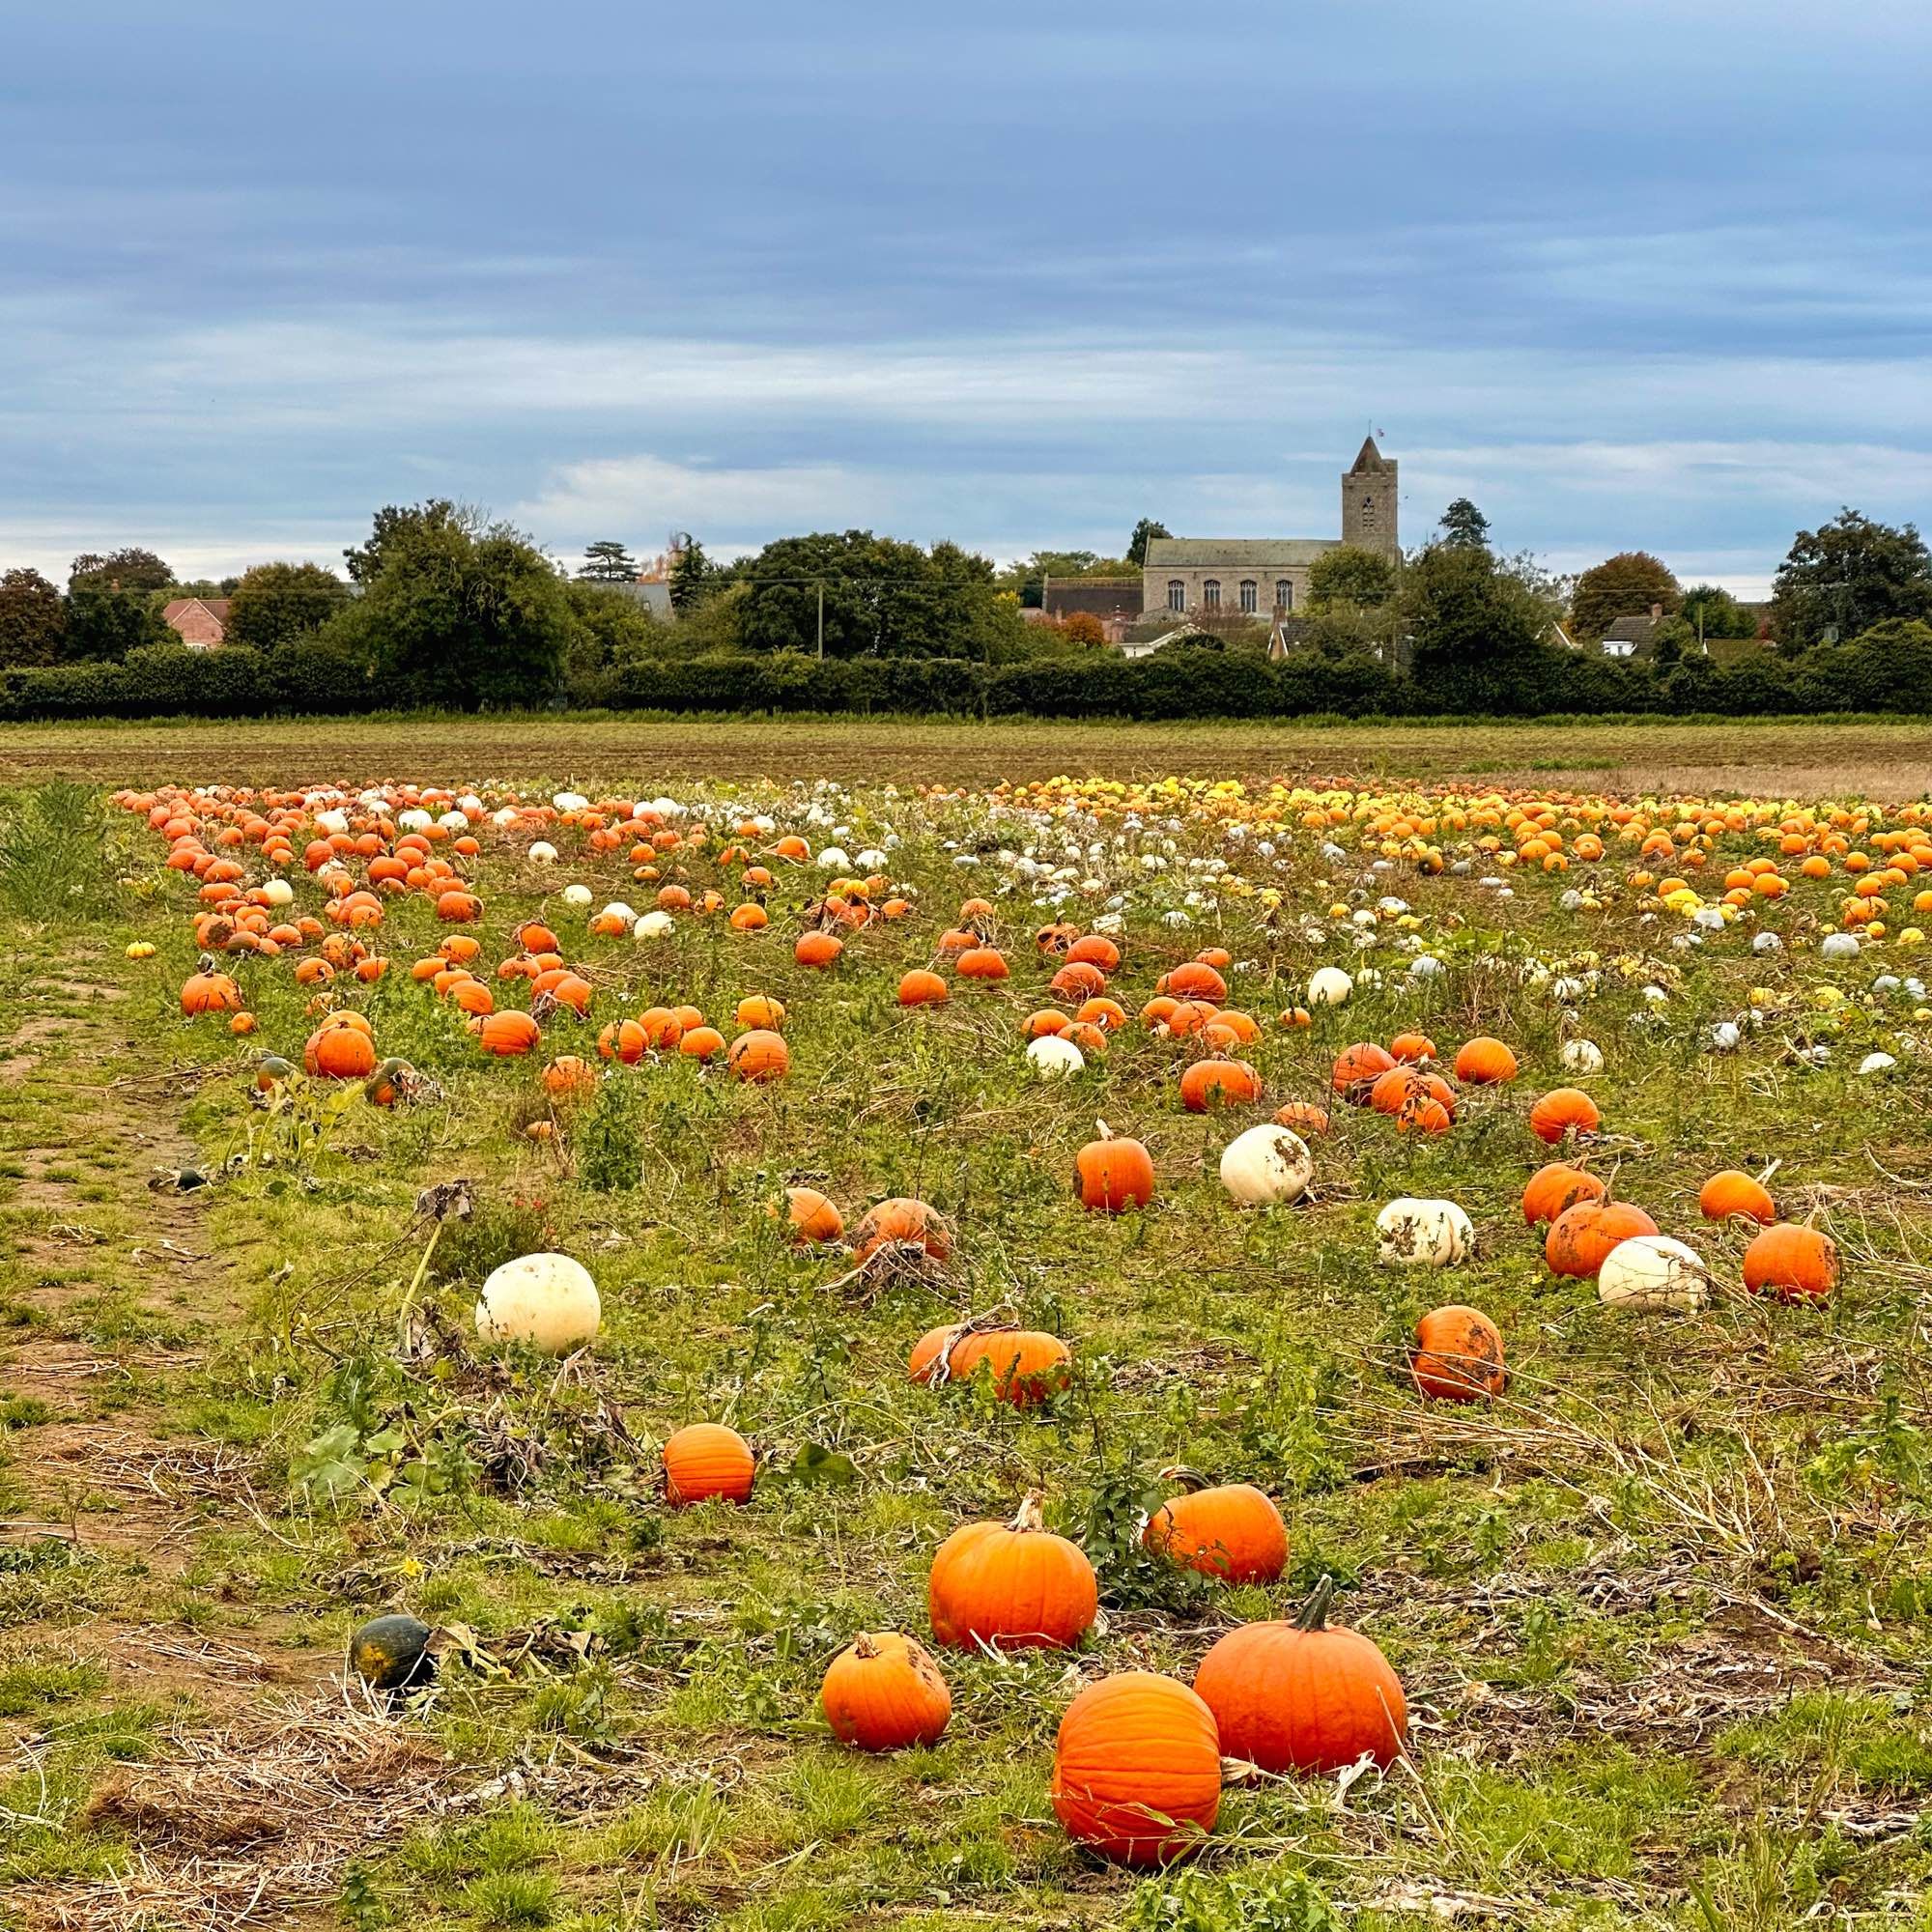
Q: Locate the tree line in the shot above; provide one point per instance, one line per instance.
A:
(443, 606)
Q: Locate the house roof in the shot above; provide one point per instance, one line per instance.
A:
(651, 592)
(1237, 553)
(215, 606)
(1630, 631)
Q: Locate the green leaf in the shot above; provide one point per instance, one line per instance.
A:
(816, 1464)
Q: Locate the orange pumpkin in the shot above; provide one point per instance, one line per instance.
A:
(508, 1033)
(1796, 1263)
(1194, 980)
(902, 1222)
(1357, 1068)
(923, 988)
(1016, 1585)
(1137, 1768)
(812, 1216)
(1025, 1365)
(981, 962)
(1113, 1173)
(1208, 1082)
(1735, 1192)
(1458, 1356)
(884, 1693)
(704, 1459)
(1304, 1696)
(1553, 1187)
(1582, 1236)
(1228, 1530)
(1484, 1061)
(1563, 1110)
(759, 1056)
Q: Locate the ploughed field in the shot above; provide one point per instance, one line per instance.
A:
(1188, 1351)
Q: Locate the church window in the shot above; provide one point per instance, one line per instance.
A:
(1368, 513)
(1250, 595)
(1284, 593)
(1177, 593)
(1211, 593)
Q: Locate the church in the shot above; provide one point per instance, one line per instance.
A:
(1268, 576)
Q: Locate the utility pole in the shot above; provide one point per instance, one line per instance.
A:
(821, 620)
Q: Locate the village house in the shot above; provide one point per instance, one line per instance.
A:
(200, 622)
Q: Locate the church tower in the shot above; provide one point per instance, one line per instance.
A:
(1369, 502)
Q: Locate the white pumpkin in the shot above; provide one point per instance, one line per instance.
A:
(1266, 1165)
(1838, 946)
(655, 925)
(544, 853)
(1582, 1056)
(542, 1301)
(1652, 1271)
(1328, 986)
(1428, 1234)
(414, 819)
(1876, 1063)
(834, 858)
(454, 821)
(1052, 1058)
(576, 895)
(278, 892)
(618, 909)
(569, 801)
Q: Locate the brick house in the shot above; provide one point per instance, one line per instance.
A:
(200, 622)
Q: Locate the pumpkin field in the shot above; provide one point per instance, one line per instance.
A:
(609, 1349)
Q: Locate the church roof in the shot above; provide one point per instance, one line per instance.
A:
(1236, 553)
(1368, 457)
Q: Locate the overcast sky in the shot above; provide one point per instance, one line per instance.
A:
(1646, 275)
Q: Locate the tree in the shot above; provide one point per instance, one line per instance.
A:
(1463, 527)
(128, 569)
(1712, 612)
(275, 602)
(1351, 575)
(881, 598)
(105, 624)
(463, 619)
(1143, 532)
(32, 619)
(615, 628)
(607, 562)
(1476, 628)
(1082, 626)
(1847, 576)
(1624, 586)
(393, 523)
(693, 575)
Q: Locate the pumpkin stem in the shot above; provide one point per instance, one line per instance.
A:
(1189, 1480)
(1313, 1615)
(863, 1645)
(1029, 1517)
(1105, 1131)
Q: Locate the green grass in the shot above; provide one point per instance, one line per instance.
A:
(1661, 1614)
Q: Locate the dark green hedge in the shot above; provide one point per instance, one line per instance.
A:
(1888, 671)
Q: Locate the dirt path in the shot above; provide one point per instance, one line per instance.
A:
(1889, 761)
(114, 1299)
